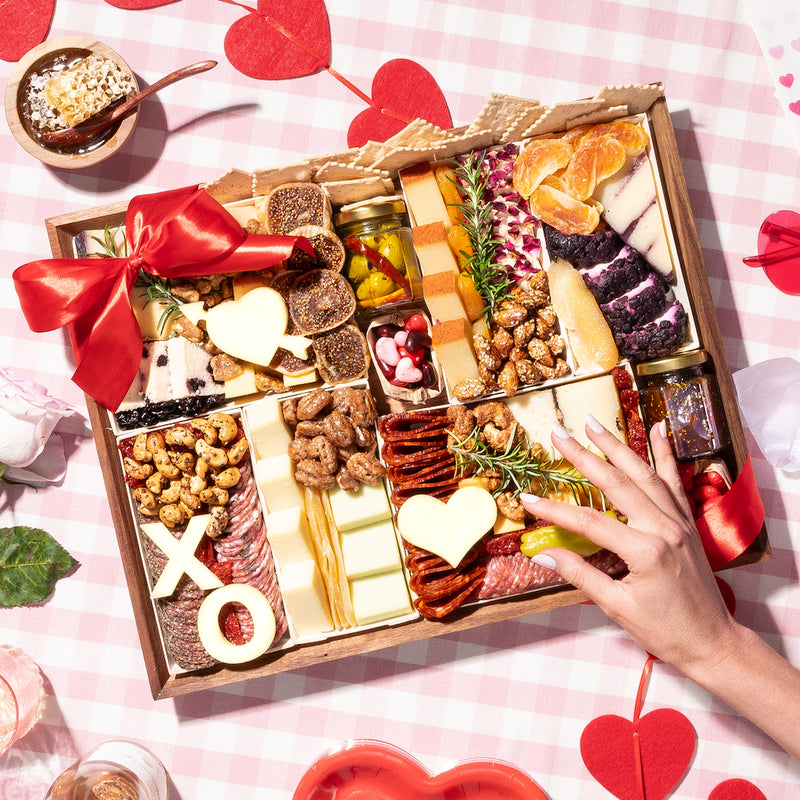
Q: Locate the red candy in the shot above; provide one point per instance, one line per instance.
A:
(416, 322)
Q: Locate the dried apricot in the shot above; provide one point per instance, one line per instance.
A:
(538, 159)
(448, 188)
(564, 212)
(471, 298)
(632, 137)
(594, 160)
(458, 239)
(574, 135)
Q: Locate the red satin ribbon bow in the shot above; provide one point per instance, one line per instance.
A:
(170, 234)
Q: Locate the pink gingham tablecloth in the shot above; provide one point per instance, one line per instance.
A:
(521, 691)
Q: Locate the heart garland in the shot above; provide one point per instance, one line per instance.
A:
(277, 41)
(133, 5)
(23, 25)
(646, 758)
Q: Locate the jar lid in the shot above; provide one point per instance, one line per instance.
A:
(672, 363)
(368, 211)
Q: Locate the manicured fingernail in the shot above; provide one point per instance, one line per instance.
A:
(529, 499)
(560, 432)
(544, 560)
(661, 428)
(594, 425)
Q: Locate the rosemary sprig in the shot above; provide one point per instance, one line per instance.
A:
(520, 465)
(109, 245)
(158, 291)
(492, 283)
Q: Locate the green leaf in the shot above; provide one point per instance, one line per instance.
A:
(31, 561)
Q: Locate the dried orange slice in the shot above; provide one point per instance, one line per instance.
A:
(632, 137)
(596, 159)
(574, 135)
(538, 159)
(563, 212)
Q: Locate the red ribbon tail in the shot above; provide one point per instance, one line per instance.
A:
(730, 526)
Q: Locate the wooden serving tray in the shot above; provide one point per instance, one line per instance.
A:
(163, 684)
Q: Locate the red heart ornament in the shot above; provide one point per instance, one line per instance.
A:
(380, 771)
(736, 789)
(666, 742)
(136, 4)
(779, 253)
(280, 40)
(402, 91)
(23, 25)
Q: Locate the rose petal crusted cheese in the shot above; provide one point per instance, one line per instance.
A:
(86, 88)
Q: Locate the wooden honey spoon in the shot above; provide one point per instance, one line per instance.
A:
(87, 131)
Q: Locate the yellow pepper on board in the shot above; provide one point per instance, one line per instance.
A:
(535, 541)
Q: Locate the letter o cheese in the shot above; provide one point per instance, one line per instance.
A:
(211, 635)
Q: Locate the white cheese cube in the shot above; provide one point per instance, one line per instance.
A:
(380, 597)
(268, 432)
(289, 535)
(370, 549)
(305, 598)
(275, 477)
(355, 509)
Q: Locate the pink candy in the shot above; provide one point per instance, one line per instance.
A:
(386, 351)
(406, 371)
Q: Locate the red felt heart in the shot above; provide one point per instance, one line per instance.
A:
(134, 4)
(736, 789)
(280, 40)
(402, 91)
(379, 771)
(23, 25)
(666, 742)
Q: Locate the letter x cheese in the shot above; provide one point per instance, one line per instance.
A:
(180, 556)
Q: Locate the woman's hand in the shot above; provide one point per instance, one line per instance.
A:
(668, 602)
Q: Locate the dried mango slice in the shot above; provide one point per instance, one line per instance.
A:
(538, 159)
(562, 211)
(632, 137)
(448, 188)
(596, 159)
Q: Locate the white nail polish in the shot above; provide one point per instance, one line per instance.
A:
(661, 427)
(530, 499)
(560, 432)
(544, 560)
(594, 425)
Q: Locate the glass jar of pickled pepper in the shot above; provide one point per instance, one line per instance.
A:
(381, 264)
(683, 390)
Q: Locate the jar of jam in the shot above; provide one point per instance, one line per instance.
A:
(683, 390)
(381, 264)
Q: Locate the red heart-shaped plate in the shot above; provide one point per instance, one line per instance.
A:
(407, 91)
(23, 25)
(280, 40)
(666, 745)
(380, 771)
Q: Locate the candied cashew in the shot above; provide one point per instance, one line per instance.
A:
(225, 425)
(136, 470)
(214, 456)
(237, 451)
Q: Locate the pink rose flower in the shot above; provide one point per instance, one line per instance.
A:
(30, 451)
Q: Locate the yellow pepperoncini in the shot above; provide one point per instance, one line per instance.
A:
(534, 542)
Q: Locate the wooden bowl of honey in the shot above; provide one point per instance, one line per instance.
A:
(63, 80)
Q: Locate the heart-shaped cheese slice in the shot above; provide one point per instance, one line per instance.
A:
(448, 529)
(251, 328)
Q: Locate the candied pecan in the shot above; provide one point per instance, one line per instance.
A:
(366, 468)
(462, 421)
(346, 481)
(183, 327)
(494, 411)
(289, 411)
(185, 292)
(309, 427)
(311, 473)
(338, 428)
(224, 367)
(325, 450)
(269, 384)
(510, 506)
(300, 448)
(312, 404)
(365, 437)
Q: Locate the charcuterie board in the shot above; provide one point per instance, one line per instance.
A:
(334, 448)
